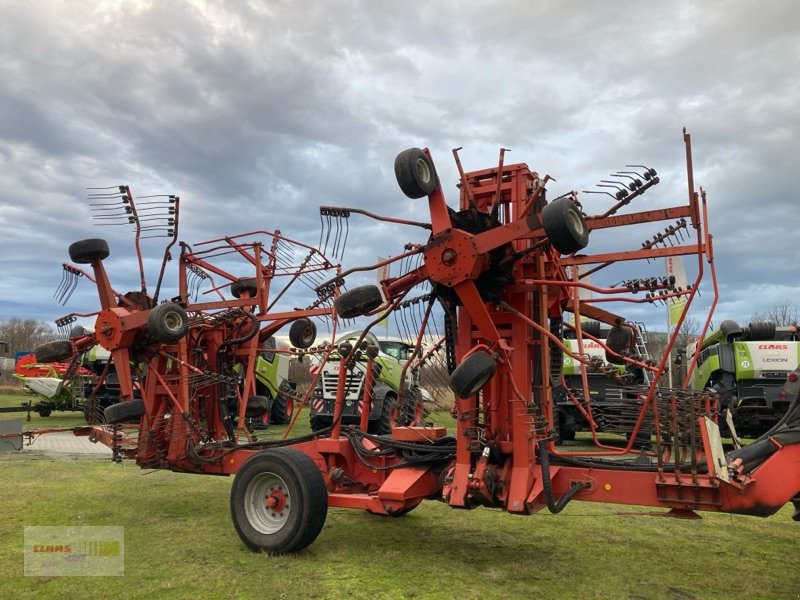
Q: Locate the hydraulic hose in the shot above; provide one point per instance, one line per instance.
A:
(547, 485)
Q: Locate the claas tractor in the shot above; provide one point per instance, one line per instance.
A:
(495, 278)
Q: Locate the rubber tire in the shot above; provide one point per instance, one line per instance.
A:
(358, 301)
(250, 285)
(84, 252)
(257, 406)
(618, 339)
(167, 323)
(126, 410)
(44, 412)
(318, 422)
(303, 333)
(383, 424)
(472, 374)
(565, 226)
(54, 351)
(77, 331)
(282, 410)
(308, 500)
(415, 173)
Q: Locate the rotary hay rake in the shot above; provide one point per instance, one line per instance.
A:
(500, 272)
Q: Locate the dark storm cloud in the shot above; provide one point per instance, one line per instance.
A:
(256, 113)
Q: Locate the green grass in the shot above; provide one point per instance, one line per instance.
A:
(180, 543)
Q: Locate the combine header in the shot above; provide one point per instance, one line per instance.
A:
(500, 272)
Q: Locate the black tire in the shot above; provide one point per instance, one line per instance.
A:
(618, 340)
(167, 323)
(127, 410)
(565, 226)
(358, 301)
(257, 406)
(556, 353)
(319, 422)
(282, 409)
(472, 374)
(383, 424)
(415, 173)
(249, 285)
(294, 483)
(54, 351)
(77, 332)
(44, 412)
(565, 427)
(303, 333)
(84, 252)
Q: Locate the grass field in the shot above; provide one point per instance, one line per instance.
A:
(180, 543)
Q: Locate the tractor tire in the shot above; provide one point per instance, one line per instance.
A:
(618, 340)
(282, 409)
(566, 427)
(249, 285)
(358, 301)
(278, 501)
(54, 351)
(472, 374)
(564, 225)
(167, 323)
(303, 333)
(84, 252)
(318, 422)
(415, 173)
(383, 424)
(127, 410)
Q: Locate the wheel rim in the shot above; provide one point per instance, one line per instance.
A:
(267, 503)
(576, 223)
(173, 321)
(423, 170)
(289, 407)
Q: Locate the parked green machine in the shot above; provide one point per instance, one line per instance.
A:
(388, 403)
(748, 367)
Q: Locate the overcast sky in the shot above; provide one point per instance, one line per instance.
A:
(255, 113)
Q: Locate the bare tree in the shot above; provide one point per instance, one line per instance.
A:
(25, 334)
(781, 313)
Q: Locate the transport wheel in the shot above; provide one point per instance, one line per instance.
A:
(278, 501)
(415, 173)
(44, 412)
(54, 351)
(303, 333)
(167, 322)
(249, 285)
(564, 225)
(358, 301)
(282, 410)
(618, 340)
(85, 251)
(127, 410)
(472, 374)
